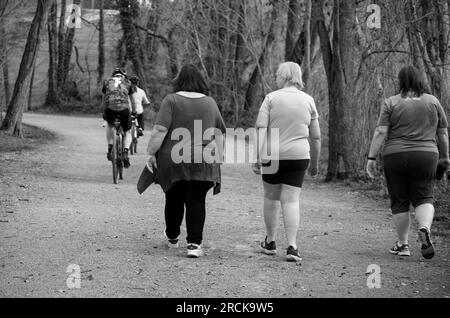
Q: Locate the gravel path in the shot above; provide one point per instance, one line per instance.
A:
(58, 207)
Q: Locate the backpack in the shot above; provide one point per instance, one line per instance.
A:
(116, 92)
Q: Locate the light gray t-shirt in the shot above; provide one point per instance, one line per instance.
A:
(413, 123)
(290, 111)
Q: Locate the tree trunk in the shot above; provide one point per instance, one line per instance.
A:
(340, 57)
(129, 11)
(238, 59)
(28, 106)
(4, 56)
(294, 31)
(13, 119)
(61, 41)
(101, 45)
(306, 65)
(52, 93)
(67, 52)
(273, 52)
(4, 61)
(3, 5)
(172, 52)
(151, 43)
(429, 36)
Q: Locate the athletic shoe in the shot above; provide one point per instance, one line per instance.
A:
(126, 160)
(293, 255)
(400, 250)
(269, 248)
(194, 251)
(427, 247)
(171, 243)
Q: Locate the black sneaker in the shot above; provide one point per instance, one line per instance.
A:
(126, 160)
(269, 248)
(293, 255)
(400, 250)
(427, 247)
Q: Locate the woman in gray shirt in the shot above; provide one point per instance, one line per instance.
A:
(177, 147)
(408, 125)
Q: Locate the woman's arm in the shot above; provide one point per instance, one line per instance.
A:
(315, 140)
(262, 123)
(377, 142)
(443, 144)
(157, 137)
(261, 126)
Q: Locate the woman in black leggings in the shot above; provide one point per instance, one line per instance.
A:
(176, 149)
(409, 123)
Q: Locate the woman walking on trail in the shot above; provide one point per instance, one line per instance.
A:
(182, 171)
(409, 123)
(294, 115)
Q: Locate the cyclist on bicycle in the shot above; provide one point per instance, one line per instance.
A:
(141, 100)
(116, 101)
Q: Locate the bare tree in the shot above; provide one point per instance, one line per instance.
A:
(29, 103)
(129, 12)
(341, 57)
(294, 31)
(4, 51)
(273, 51)
(13, 119)
(67, 51)
(61, 40)
(101, 45)
(53, 92)
(428, 30)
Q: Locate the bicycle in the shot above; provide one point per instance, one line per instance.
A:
(134, 136)
(117, 152)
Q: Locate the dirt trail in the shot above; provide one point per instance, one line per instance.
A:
(58, 207)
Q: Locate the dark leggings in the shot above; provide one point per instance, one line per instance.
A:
(141, 121)
(191, 194)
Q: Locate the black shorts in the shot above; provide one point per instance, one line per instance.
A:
(289, 172)
(124, 115)
(410, 178)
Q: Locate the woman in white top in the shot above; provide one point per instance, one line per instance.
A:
(292, 115)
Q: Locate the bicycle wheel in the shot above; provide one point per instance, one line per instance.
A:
(114, 160)
(120, 159)
(133, 147)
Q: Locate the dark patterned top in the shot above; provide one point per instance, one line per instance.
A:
(117, 93)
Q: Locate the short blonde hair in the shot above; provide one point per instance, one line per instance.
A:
(291, 73)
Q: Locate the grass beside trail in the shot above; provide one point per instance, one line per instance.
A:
(442, 218)
(33, 137)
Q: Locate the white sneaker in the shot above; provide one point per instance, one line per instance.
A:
(194, 251)
(171, 243)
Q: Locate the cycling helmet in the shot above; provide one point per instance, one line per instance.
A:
(134, 80)
(119, 71)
